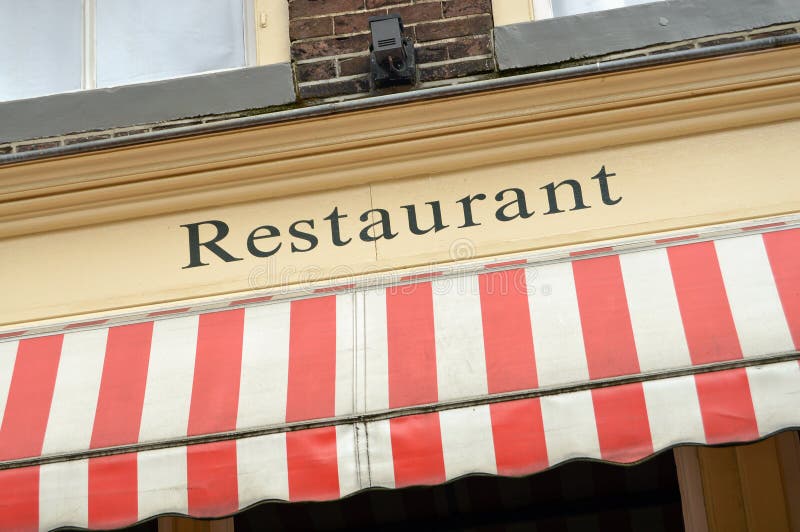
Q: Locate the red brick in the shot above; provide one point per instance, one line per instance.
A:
(447, 29)
(419, 12)
(355, 23)
(460, 8)
(87, 138)
(456, 69)
(316, 71)
(130, 132)
(38, 146)
(310, 8)
(431, 53)
(772, 33)
(330, 47)
(305, 28)
(469, 46)
(351, 66)
(372, 4)
(334, 88)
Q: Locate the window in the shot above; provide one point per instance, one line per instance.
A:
(560, 8)
(53, 46)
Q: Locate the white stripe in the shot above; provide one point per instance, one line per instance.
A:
(263, 470)
(8, 357)
(381, 461)
(377, 349)
(673, 411)
(775, 390)
(347, 459)
(345, 354)
(265, 366)
(569, 427)
(753, 296)
(360, 349)
(467, 442)
(162, 482)
(460, 359)
(64, 495)
(72, 410)
(655, 315)
(170, 374)
(556, 323)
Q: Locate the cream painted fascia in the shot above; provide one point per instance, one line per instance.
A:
(402, 141)
(511, 11)
(272, 31)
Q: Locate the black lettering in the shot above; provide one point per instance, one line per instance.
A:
(522, 206)
(211, 245)
(466, 205)
(386, 227)
(552, 200)
(602, 178)
(413, 225)
(308, 237)
(336, 235)
(272, 231)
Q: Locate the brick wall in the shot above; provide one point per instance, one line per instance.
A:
(330, 41)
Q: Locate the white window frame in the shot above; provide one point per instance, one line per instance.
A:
(89, 51)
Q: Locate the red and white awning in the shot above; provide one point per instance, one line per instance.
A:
(611, 356)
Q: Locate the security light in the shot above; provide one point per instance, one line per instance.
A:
(392, 59)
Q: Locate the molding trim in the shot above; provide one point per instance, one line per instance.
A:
(394, 142)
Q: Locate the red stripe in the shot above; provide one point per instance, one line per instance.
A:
(312, 359)
(113, 480)
(605, 319)
(19, 505)
(168, 312)
(519, 443)
(676, 239)
(417, 450)
(703, 302)
(86, 324)
(311, 454)
(783, 250)
(582, 252)
(211, 468)
(12, 334)
(211, 477)
(217, 372)
(623, 428)
(313, 464)
(516, 262)
(412, 346)
(121, 396)
(726, 406)
(113, 493)
(507, 336)
(249, 301)
(29, 397)
(763, 226)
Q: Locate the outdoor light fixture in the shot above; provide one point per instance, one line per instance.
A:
(392, 60)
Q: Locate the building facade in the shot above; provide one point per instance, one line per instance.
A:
(248, 286)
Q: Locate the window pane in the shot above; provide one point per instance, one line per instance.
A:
(145, 40)
(563, 8)
(41, 42)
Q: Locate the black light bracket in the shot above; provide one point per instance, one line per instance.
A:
(392, 55)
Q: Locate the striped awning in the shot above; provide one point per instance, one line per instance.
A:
(612, 354)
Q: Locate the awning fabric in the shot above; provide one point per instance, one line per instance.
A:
(611, 355)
